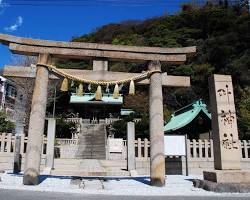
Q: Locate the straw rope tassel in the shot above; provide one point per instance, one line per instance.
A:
(65, 85)
(79, 91)
(132, 87)
(116, 92)
(98, 93)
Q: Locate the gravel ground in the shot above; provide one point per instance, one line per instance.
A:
(176, 185)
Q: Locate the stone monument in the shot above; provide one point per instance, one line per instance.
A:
(227, 147)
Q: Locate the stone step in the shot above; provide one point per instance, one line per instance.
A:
(91, 148)
(101, 144)
(90, 157)
(96, 150)
(94, 139)
(92, 135)
(84, 173)
(90, 154)
(66, 161)
(90, 138)
(90, 145)
(80, 164)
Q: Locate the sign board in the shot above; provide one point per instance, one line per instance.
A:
(175, 145)
(115, 145)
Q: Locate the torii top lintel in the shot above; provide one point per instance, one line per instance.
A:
(80, 50)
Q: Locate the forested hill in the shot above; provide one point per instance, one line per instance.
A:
(222, 37)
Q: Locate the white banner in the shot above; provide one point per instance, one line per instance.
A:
(115, 145)
(175, 145)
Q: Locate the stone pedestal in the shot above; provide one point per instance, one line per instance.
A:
(227, 176)
(157, 157)
(36, 124)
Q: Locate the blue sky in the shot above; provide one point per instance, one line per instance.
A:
(64, 19)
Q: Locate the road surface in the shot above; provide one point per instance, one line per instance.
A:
(32, 195)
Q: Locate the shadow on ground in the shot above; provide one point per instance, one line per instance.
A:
(142, 179)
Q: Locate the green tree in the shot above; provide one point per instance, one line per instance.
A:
(64, 129)
(222, 36)
(6, 126)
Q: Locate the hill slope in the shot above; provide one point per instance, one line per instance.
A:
(222, 37)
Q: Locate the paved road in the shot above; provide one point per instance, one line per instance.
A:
(31, 195)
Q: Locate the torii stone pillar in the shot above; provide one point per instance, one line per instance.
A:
(157, 157)
(36, 124)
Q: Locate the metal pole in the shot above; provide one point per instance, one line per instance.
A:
(186, 155)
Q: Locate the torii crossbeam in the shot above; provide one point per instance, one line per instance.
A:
(100, 54)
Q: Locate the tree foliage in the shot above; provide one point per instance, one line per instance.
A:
(6, 126)
(222, 37)
(64, 129)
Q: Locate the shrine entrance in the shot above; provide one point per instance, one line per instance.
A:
(100, 54)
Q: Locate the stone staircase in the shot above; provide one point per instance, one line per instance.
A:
(89, 167)
(92, 142)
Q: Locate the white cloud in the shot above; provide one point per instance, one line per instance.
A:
(14, 27)
(3, 6)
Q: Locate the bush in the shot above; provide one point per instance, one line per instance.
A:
(5, 125)
(141, 127)
(64, 129)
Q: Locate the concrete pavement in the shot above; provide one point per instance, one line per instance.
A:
(176, 185)
(34, 195)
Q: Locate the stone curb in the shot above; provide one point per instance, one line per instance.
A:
(222, 187)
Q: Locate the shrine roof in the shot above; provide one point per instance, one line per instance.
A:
(185, 115)
(89, 98)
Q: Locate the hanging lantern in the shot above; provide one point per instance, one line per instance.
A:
(132, 87)
(65, 85)
(98, 93)
(116, 92)
(79, 91)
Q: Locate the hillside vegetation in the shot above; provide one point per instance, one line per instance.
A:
(222, 37)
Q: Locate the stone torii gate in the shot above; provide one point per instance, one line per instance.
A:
(100, 54)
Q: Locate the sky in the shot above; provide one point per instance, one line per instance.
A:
(64, 19)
